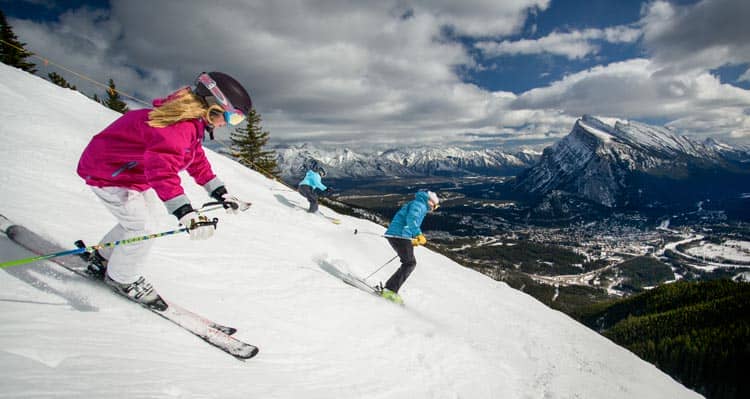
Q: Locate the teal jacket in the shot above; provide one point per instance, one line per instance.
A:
(313, 180)
(407, 221)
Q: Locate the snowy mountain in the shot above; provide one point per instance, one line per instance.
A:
(461, 334)
(345, 163)
(631, 164)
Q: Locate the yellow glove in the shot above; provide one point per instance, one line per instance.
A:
(418, 240)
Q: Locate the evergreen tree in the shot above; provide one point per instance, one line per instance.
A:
(113, 100)
(247, 146)
(96, 98)
(60, 81)
(12, 52)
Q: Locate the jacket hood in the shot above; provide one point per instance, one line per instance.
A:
(422, 196)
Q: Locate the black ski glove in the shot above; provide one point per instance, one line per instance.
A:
(218, 193)
(232, 204)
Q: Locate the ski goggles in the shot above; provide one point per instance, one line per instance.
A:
(232, 115)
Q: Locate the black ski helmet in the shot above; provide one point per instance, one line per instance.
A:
(316, 167)
(230, 87)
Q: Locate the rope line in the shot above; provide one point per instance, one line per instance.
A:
(46, 61)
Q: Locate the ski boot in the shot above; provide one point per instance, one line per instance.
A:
(96, 264)
(392, 296)
(140, 291)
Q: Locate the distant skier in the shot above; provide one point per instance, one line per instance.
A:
(311, 187)
(404, 233)
(146, 149)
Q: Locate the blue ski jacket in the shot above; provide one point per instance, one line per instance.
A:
(313, 180)
(407, 221)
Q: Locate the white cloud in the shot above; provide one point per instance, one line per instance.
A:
(696, 102)
(480, 18)
(377, 71)
(85, 41)
(311, 67)
(733, 121)
(745, 77)
(573, 45)
(702, 36)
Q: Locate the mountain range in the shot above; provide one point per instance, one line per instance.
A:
(450, 161)
(635, 165)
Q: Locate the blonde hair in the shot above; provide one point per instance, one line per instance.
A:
(180, 106)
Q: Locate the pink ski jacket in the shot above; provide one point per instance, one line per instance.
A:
(131, 154)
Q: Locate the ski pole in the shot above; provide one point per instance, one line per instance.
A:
(356, 231)
(371, 274)
(205, 208)
(214, 205)
(77, 251)
(42, 257)
(90, 248)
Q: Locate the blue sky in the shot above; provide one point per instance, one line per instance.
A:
(524, 72)
(419, 71)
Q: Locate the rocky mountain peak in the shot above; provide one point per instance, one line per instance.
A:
(623, 163)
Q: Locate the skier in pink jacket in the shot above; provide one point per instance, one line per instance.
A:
(146, 149)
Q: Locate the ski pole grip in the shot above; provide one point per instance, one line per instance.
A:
(212, 222)
(210, 206)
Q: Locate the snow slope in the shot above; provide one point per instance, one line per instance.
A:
(461, 335)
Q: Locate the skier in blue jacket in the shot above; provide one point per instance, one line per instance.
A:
(404, 234)
(312, 186)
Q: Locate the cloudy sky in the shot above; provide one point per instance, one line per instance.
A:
(428, 71)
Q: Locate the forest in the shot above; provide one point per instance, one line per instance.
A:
(697, 332)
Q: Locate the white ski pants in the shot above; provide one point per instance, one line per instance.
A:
(130, 207)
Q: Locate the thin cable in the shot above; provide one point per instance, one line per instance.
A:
(46, 61)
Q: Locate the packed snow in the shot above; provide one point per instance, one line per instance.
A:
(604, 136)
(460, 335)
(730, 251)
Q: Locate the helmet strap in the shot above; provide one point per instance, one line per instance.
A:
(209, 120)
(213, 109)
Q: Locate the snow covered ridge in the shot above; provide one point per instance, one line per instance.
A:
(623, 164)
(319, 338)
(344, 162)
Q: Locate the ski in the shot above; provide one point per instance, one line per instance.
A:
(85, 257)
(332, 219)
(357, 282)
(213, 333)
(350, 279)
(297, 205)
(362, 285)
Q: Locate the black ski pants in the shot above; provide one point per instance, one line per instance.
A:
(312, 197)
(405, 252)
